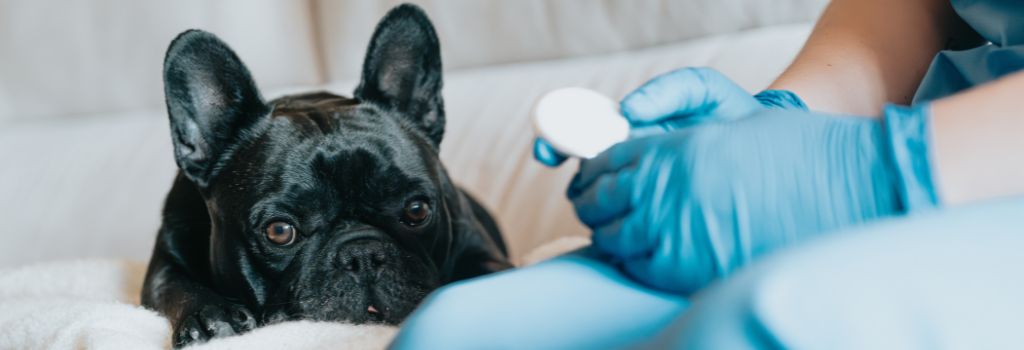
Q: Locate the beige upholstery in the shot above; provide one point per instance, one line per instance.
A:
(85, 156)
(72, 58)
(488, 32)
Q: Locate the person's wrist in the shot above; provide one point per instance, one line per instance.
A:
(781, 99)
(909, 138)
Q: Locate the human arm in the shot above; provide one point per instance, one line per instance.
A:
(863, 54)
(978, 142)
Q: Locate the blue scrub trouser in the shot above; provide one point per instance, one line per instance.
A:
(951, 279)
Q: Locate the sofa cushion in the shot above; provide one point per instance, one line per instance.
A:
(484, 32)
(78, 58)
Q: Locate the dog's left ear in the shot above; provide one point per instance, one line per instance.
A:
(211, 100)
(402, 69)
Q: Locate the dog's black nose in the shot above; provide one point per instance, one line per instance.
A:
(364, 256)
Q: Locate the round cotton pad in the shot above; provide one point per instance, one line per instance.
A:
(579, 122)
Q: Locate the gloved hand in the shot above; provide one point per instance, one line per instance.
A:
(680, 209)
(679, 98)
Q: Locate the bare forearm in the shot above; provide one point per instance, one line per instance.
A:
(865, 53)
(977, 143)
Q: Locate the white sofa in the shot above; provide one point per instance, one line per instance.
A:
(85, 157)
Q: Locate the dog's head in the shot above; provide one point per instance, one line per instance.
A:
(322, 207)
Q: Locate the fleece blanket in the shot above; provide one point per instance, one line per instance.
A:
(94, 304)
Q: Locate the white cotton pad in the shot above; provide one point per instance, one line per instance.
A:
(579, 122)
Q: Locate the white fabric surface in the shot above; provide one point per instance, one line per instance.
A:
(93, 304)
(486, 32)
(93, 187)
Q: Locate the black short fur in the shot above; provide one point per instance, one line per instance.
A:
(340, 170)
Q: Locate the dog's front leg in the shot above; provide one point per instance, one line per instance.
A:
(196, 312)
(178, 283)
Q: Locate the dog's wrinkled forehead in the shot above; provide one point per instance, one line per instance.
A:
(345, 124)
(321, 138)
(328, 115)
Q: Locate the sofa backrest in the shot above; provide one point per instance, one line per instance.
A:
(75, 58)
(486, 32)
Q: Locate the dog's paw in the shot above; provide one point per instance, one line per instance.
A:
(213, 321)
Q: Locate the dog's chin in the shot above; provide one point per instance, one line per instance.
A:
(388, 301)
(330, 310)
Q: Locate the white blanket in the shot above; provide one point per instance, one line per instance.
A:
(94, 304)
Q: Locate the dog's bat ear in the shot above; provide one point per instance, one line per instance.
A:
(402, 69)
(211, 100)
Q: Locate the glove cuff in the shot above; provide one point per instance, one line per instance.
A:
(909, 136)
(780, 99)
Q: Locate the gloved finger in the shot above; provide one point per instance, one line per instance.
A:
(684, 93)
(609, 197)
(780, 99)
(638, 131)
(613, 159)
(625, 237)
(547, 155)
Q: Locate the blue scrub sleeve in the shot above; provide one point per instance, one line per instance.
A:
(909, 136)
(948, 279)
(570, 302)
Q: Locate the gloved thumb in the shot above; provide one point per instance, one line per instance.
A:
(685, 94)
(547, 155)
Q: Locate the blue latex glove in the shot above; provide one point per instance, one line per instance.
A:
(686, 96)
(683, 208)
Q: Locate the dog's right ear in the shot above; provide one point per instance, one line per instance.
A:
(402, 69)
(211, 101)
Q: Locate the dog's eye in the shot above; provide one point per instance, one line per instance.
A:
(281, 233)
(416, 212)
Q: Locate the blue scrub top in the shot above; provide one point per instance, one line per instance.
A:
(1001, 22)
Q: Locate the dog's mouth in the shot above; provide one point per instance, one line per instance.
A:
(372, 313)
(381, 303)
(359, 281)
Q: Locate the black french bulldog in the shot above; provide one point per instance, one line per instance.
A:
(311, 206)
